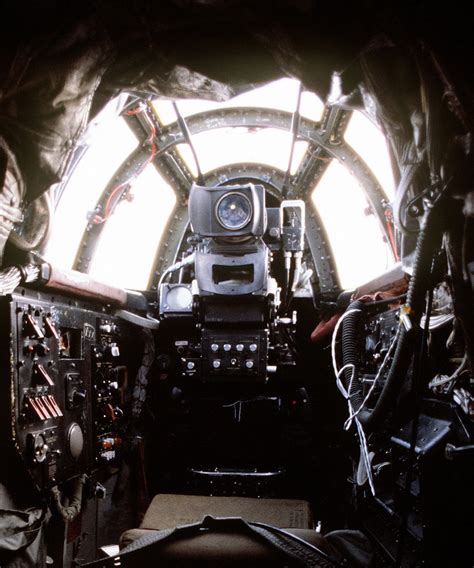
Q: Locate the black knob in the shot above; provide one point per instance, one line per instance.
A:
(78, 396)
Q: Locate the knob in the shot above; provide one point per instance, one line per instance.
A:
(253, 347)
(114, 350)
(42, 349)
(239, 347)
(249, 364)
(40, 448)
(214, 347)
(78, 396)
(216, 363)
(227, 346)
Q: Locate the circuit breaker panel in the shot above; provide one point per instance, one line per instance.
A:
(64, 380)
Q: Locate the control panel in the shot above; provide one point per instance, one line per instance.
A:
(110, 382)
(233, 354)
(224, 355)
(379, 332)
(63, 384)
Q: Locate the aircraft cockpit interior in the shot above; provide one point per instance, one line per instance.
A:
(236, 284)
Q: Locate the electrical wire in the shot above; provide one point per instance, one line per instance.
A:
(353, 414)
(11, 278)
(335, 334)
(187, 260)
(435, 383)
(363, 446)
(110, 204)
(387, 357)
(362, 438)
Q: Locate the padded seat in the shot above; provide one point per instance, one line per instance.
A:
(233, 548)
(167, 511)
(217, 549)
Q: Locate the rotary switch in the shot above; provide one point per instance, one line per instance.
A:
(39, 447)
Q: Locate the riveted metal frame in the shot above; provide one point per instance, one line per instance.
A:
(325, 142)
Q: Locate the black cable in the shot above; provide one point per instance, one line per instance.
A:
(417, 384)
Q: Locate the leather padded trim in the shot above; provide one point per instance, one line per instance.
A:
(167, 510)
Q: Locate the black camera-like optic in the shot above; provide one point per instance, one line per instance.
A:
(234, 211)
(228, 211)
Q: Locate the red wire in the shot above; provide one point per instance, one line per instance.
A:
(151, 140)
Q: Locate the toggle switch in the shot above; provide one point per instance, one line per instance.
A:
(54, 404)
(50, 328)
(52, 411)
(31, 327)
(37, 412)
(41, 375)
(43, 408)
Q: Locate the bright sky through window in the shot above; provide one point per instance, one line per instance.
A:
(111, 141)
(224, 146)
(371, 145)
(355, 237)
(128, 243)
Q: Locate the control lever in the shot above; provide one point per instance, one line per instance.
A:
(452, 452)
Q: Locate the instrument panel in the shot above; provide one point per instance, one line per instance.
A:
(64, 384)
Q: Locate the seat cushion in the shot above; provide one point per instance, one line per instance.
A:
(309, 535)
(168, 511)
(218, 549)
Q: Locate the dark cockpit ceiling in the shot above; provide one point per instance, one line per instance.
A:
(74, 59)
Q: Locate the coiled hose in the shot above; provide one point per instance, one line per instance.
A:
(428, 242)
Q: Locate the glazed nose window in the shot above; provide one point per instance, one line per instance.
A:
(234, 211)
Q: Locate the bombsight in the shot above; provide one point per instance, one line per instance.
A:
(228, 211)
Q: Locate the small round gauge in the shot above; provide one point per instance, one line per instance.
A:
(179, 298)
(234, 211)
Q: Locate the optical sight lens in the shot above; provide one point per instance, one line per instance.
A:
(234, 211)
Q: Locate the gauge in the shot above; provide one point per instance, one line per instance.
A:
(234, 211)
(179, 298)
(76, 440)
